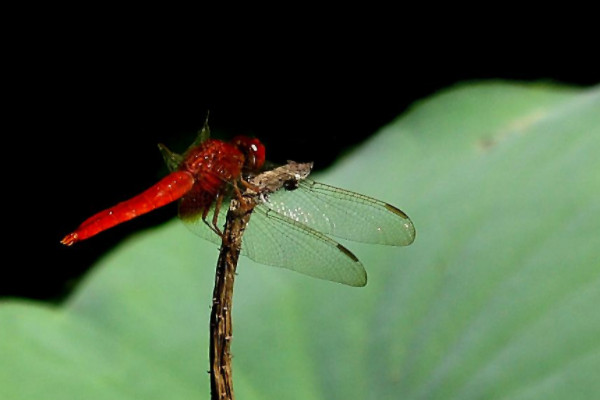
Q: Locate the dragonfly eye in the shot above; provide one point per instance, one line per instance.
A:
(257, 149)
(253, 149)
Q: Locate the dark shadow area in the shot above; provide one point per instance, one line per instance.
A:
(87, 124)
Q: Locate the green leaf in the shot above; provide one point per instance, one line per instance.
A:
(496, 299)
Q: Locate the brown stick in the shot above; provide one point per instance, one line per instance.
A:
(221, 380)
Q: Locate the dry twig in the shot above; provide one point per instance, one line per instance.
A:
(287, 176)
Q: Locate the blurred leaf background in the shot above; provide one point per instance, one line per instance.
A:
(496, 299)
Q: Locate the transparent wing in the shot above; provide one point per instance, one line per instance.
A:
(274, 239)
(344, 214)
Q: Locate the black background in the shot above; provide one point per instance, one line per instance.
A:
(90, 101)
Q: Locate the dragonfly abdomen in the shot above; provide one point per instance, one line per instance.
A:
(167, 190)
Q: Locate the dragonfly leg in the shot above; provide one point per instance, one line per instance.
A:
(238, 193)
(213, 224)
(215, 218)
(250, 186)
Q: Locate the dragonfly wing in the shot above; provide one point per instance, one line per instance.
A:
(273, 239)
(277, 240)
(343, 213)
(174, 160)
(203, 134)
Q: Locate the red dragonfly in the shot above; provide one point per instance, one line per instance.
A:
(288, 228)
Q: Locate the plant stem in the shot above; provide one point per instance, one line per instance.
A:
(221, 333)
(221, 382)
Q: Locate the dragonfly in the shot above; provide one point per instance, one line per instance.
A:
(290, 228)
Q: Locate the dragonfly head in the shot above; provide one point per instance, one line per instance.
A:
(253, 150)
